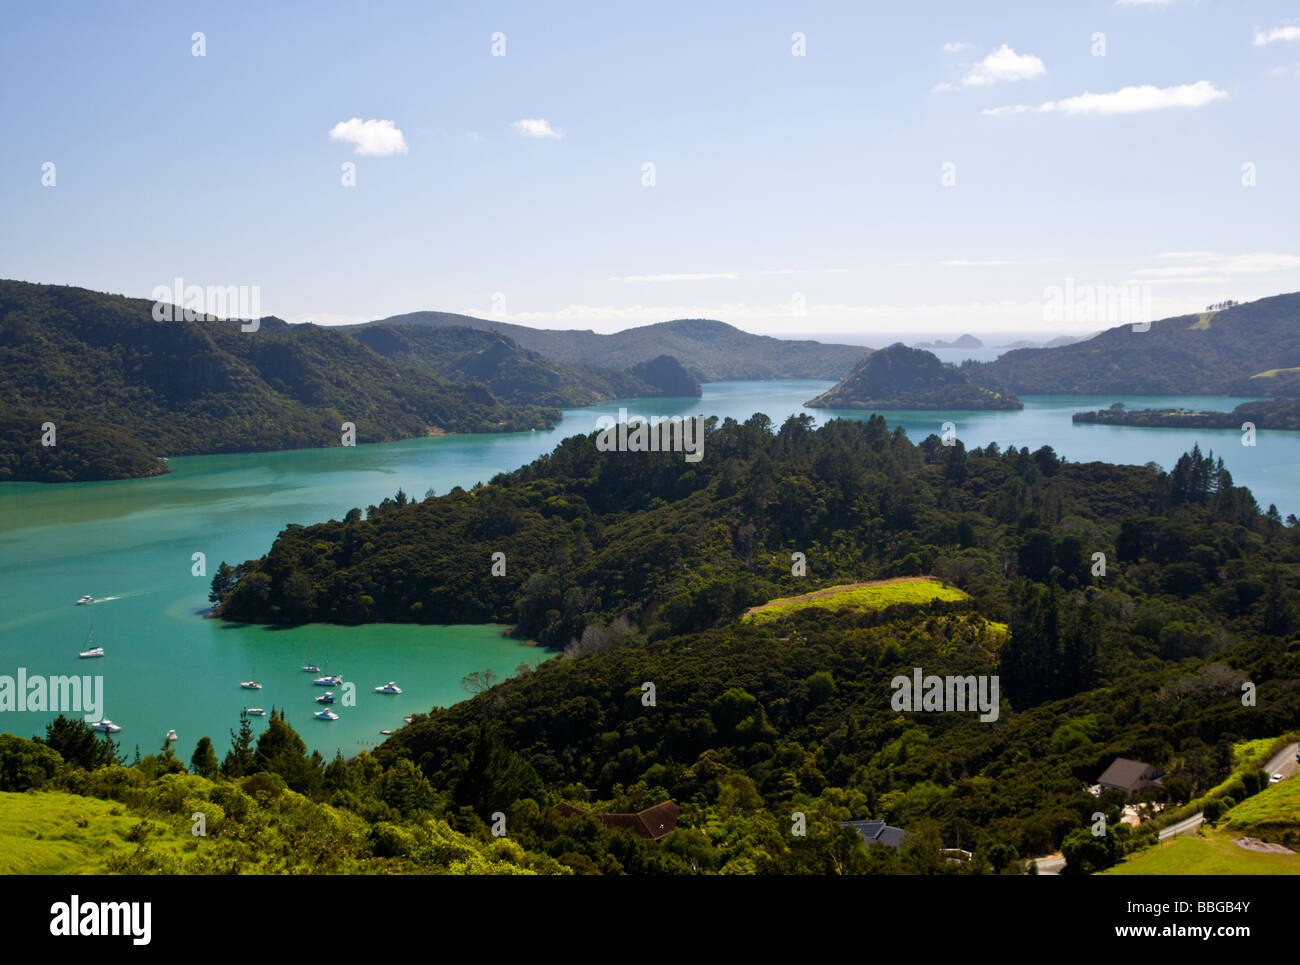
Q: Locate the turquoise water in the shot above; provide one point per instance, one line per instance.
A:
(168, 667)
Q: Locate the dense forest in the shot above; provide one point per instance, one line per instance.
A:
(638, 565)
(1215, 352)
(123, 389)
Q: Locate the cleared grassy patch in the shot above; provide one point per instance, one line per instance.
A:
(1278, 805)
(41, 833)
(876, 595)
(1215, 854)
(1272, 372)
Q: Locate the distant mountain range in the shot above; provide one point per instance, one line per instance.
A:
(1238, 350)
(962, 341)
(515, 374)
(711, 351)
(123, 390)
(899, 377)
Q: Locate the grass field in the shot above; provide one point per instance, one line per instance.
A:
(1214, 854)
(862, 596)
(1275, 806)
(41, 833)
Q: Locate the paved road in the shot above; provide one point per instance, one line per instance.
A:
(1285, 762)
(1186, 826)
(1050, 865)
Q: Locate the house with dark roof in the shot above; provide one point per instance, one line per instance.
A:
(877, 832)
(652, 823)
(1131, 777)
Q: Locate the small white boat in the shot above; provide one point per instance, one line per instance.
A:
(105, 726)
(92, 652)
(86, 601)
(331, 681)
(254, 711)
(311, 668)
(388, 688)
(171, 735)
(326, 698)
(408, 719)
(326, 715)
(385, 732)
(251, 685)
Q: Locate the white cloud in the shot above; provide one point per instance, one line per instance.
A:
(1144, 3)
(1289, 32)
(698, 276)
(1212, 266)
(1004, 64)
(955, 48)
(537, 127)
(374, 138)
(1126, 100)
(967, 263)
(718, 275)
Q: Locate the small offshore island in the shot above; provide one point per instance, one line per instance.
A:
(899, 377)
(1277, 414)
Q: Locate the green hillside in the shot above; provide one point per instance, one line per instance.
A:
(515, 375)
(123, 389)
(1207, 353)
(1210, 853)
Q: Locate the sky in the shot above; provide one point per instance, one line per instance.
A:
(852, 170)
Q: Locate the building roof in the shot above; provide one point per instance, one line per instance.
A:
(1125, 773)
(877, 831)
(652, 823)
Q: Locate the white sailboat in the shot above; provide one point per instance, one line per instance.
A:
(90, 649)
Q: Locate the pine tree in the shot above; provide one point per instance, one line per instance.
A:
(239, 759)
(204, 762)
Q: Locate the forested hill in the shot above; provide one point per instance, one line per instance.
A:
(123, 389)
(712, 351)
(899, 377)
(514, 374)
(601, 545)
(1209, 353)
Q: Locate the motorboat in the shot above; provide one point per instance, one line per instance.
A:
(86, 601)
(255, 711)
(251, 685)
(388, 688)
(310, 668)
(105, 726)
(385, 732)
(171, 735)
(331, 681)
(326, 698)
(326, 715)
(408, 719)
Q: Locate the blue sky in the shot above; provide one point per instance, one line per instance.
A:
(781, 182)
